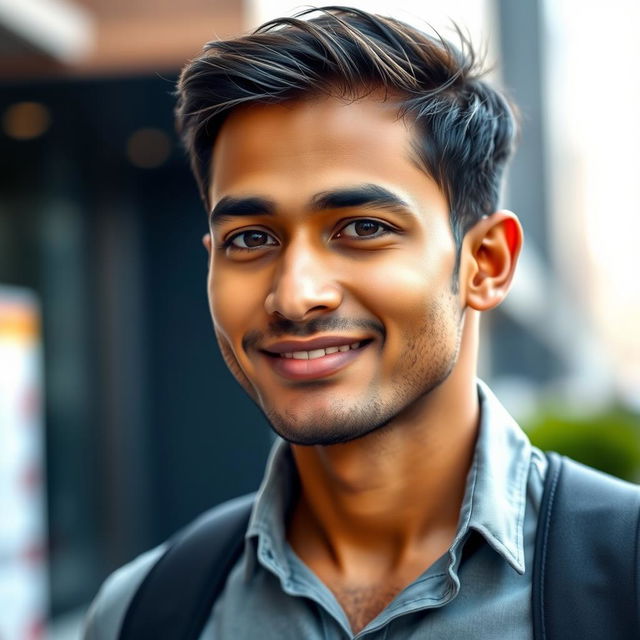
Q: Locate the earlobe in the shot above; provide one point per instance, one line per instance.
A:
(206, 241)
(491, 247)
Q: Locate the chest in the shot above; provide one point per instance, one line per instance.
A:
(369, 589)
(362, 604)
(491, 601)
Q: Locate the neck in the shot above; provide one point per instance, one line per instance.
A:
(393, 496)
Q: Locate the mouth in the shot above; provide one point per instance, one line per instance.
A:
(290, 360)
(320, 353)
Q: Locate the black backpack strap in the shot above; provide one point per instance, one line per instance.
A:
(176, 597)
(587, 557)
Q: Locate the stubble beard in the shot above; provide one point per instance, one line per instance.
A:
(429, 359)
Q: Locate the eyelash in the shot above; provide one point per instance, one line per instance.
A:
(384, 230)
(228, 244)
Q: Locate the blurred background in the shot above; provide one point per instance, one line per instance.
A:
(118, 420)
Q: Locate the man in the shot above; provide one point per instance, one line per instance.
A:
(351, 167)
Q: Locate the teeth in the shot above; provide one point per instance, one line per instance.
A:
(319, 353)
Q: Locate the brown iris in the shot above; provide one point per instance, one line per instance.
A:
(255, 238)
(366, 227)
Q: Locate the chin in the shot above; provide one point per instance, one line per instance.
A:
(331, 421)
(320, 428)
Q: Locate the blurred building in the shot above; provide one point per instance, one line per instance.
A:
(100, 219)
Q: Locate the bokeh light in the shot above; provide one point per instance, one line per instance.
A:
(148, 148)
(26, 120)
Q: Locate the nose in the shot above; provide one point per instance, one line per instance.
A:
(302, 286)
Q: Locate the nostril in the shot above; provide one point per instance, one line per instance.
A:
(297, 303)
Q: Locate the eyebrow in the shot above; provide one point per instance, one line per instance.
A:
(231, 207)
(367, 195)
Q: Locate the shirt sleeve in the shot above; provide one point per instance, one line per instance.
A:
(107, 611)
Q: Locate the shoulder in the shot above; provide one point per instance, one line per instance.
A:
(595, 484)
(107, 612)
(590, 504)
(108, 609)
(587, 555)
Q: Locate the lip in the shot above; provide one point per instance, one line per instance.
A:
(322, 342)
(306, 370)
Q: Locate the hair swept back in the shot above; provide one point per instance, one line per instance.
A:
(464, 128)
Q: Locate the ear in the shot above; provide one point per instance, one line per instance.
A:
(489, 256)
(206, 241)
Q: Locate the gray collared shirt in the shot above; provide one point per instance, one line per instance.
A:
(480, 588)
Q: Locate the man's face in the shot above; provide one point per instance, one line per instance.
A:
(330, 278)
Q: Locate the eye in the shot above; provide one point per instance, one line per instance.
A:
(251, 239)
(364, 228)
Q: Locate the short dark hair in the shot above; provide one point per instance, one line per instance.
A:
(465, 128)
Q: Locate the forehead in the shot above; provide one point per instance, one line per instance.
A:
(292, 150)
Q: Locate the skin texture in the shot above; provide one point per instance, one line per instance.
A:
(384, 441)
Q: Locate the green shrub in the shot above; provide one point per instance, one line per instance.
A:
(609, 441)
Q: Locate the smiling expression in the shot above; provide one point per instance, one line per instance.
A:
(330, 279)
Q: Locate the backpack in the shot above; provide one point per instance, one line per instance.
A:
(586, 570)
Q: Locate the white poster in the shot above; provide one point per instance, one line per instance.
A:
(23, 568)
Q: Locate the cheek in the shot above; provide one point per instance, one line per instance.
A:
(231, 312)
(410, 294)
(233, 302)
(405, 284)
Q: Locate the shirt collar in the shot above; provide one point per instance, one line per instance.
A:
(496, 493)
(267, 524)
(494, 502)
